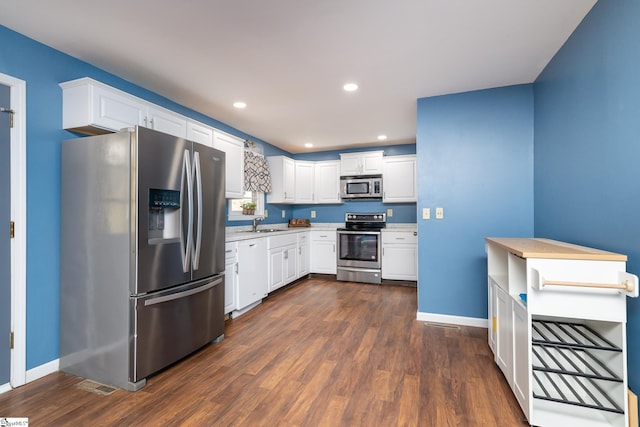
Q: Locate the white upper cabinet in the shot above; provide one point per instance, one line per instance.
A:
(283, 172)
(399, 176)
(199, 133)
(92, 108)
(233, 148)
(327, 182)
(364, 163)
(304, 181)
(166, 121)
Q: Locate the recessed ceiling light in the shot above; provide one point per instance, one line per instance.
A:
(382, 137)
(308, 145)
(240, 104)
(350, 87)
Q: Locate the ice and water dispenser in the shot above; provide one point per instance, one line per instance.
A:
(164, 215)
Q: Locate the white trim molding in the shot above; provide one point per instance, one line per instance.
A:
(453, 320)
(43, 370)
(19, 216)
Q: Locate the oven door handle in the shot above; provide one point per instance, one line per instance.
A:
(357, 232)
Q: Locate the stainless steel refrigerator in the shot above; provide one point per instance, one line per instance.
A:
(142, 254)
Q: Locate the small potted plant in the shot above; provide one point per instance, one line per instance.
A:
(248, 208)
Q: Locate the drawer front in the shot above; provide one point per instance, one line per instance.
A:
(326, 236)
(282, 240)
(408, 237)
(230, 250)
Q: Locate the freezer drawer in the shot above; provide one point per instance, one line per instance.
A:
(171, 325)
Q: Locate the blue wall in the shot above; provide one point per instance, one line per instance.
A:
(587, 127)
(475, 157)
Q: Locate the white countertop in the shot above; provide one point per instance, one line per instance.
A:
(234, 234)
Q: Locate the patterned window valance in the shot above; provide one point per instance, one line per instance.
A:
(256, 173)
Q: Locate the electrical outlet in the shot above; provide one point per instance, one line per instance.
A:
(313, 214)
(284, 213)
(426, 213)
(439, 213)
(266, 213)
(389, 213)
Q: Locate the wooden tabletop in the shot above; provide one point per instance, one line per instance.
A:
(552, 249)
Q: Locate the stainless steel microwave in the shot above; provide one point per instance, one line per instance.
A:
(361, 187)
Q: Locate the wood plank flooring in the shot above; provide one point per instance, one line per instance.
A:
(319, 353)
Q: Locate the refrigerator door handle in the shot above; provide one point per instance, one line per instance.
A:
(186, 248)
(197, 184)
(178, 295)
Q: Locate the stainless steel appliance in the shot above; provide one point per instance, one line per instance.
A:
(360, 248)
(142, 254)
(361, 187)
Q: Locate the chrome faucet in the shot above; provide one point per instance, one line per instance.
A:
(256, 220)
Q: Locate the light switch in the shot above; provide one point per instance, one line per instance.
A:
(389, 213)
(284, 213)
(439, 213)
(266, 213)
(313, 214)
(426, 213)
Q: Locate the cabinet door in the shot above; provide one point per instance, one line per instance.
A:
(399, 262)
(290, 264)
(283, 172)
(230, 276)
(399, 179)
(521, 354)
(303, 182)
(350, 164)
(234, 169)
(114, 111)
(372, 162)
(491, 310)
(326, 182)
(504, 334)
(229, 285)
(252, 271)
(303, 254)
(199, 133)
(323, 254)
(276, 269)
(166, 121)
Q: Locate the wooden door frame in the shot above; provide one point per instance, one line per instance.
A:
(19, 216)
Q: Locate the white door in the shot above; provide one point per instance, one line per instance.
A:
(5, 242)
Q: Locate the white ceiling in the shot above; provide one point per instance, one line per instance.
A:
(288, 59)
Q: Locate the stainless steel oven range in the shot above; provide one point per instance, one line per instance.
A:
(360, 248)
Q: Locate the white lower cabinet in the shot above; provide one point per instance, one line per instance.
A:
(230, 276)
(304, 258)
(504, 342)
(252, 272)
(399, 255)
(560, 329)
(323, 252)
(283, 260)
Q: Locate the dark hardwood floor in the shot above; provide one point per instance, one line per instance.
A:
(319, 353)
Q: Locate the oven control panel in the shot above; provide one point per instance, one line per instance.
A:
(380, 217)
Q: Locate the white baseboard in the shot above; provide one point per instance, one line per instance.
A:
(453, 320)
(5, 388)
(43, 370)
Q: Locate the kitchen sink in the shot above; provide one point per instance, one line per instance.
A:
(262, 230)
